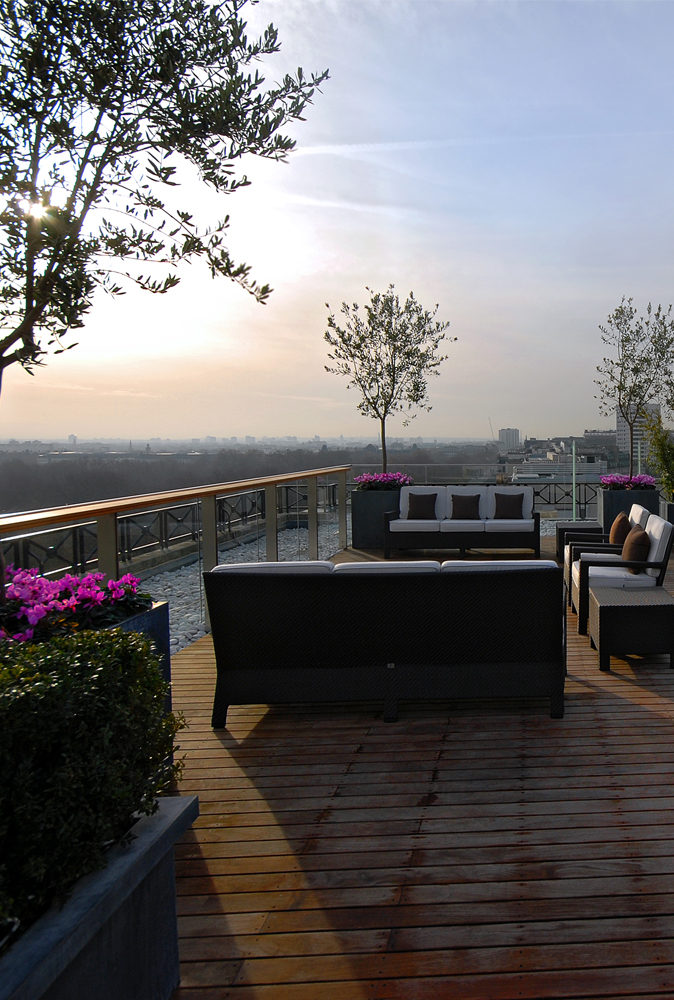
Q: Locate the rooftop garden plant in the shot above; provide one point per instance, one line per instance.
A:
(86, 746)
(36, 607)
(382, 480)
(615, 481)
(661, 454)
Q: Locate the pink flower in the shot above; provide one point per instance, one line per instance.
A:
(35, 614)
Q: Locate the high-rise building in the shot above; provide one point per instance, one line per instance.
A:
(640, 440)
(509, 438)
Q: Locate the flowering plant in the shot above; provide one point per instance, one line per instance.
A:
(382, 480)
(618, 482)
(37, 608)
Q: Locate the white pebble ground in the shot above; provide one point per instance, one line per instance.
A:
(183, 590)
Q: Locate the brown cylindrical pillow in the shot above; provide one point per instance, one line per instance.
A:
(635, 547)
(620, 529)
(508, 506)
(421, 506)
(465, 507)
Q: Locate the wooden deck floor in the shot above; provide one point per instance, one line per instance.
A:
(466, 851)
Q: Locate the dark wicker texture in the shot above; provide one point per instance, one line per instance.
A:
(631, 621)
(282, 638)
(447, 541)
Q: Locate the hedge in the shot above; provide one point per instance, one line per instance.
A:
(85, 746)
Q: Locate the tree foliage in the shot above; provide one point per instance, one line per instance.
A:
(387, 353)
(641, 370)
(105, 104)
(661, 453)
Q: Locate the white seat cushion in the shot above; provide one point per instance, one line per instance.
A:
(421, 566)
(614, 576)
(448, 525)
(495, 565)
(402, 524)
(503, 524)
(291, 566)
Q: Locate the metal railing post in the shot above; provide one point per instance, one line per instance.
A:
(312, 516)
(106, 537)
(341, 508)
(209, 532)
(271, 522)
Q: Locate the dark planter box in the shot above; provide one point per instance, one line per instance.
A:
(116, 937)
(611, 502)
(367, 516)
(155, 624)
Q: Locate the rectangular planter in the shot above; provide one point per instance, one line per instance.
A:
(155, 624)
(367, 516)
(611, 502)
(116, 937)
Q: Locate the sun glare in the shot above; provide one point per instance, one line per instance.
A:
(32, 208)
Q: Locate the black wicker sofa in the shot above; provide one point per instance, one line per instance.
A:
(314, 632)
(463, 517)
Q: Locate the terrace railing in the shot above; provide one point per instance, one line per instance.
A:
(156, 529)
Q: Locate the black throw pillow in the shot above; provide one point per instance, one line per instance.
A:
(421, 506)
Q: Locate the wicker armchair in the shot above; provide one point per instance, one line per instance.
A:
(607, 569)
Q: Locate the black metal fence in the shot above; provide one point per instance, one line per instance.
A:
(158, 537)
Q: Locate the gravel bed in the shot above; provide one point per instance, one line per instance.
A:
(182, 587)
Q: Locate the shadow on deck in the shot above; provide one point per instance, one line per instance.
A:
(466, 851)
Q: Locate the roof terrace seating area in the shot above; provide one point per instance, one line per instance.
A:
(468, 850)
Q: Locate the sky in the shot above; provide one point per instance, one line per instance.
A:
(510, 161)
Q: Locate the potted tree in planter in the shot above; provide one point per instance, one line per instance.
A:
(375, 495)
(86, 747)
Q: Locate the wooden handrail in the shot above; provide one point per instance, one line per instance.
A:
(77, 513)
(105, 514)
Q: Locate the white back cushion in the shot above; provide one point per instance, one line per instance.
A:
(659, 531)
(638, 515)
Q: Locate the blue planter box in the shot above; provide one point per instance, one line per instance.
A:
(155, 624)
(116, 937)
(611, 502)
(367, 516)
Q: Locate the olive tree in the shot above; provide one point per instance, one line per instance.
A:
(107, 107)
(640, 372)
(387, 353)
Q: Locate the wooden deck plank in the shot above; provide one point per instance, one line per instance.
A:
(466, 851)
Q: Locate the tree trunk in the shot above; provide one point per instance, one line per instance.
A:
(631, 426)
(382, 424)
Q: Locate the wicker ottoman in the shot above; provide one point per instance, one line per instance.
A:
(631, 621)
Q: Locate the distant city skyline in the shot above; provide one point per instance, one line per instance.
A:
(510, 161)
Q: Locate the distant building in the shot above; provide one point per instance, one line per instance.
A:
(640, 439)
(509, 438)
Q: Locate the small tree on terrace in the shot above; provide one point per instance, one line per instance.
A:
(641, 371)
(101, 101)
(387, 355)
